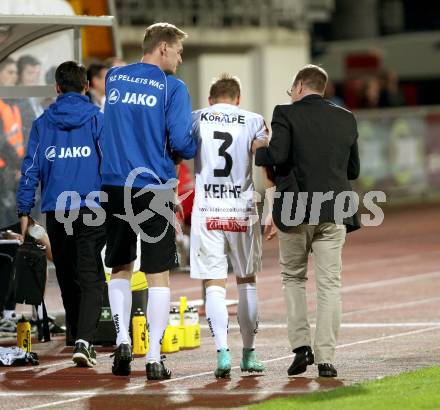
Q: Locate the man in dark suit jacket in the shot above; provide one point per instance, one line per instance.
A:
(314, 154)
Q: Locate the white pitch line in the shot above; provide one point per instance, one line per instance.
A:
(393, 281)
(183, 392)
(376, 339)
(370, 285)
(59, 402)
(392, 306)
(274, 278)
(235, 326)
(138, 386)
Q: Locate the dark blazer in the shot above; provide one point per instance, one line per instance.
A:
(313, 149)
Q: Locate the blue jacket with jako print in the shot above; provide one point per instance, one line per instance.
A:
(63, 154)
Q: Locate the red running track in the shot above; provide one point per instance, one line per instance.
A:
(391, 323)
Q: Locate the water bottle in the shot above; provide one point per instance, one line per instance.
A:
(140, 333)
(36, 231)
(174, 318)
(191, 316)
(24, 334)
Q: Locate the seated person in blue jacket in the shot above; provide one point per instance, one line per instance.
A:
(63, 155)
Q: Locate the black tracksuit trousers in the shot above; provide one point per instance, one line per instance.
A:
(80, 272)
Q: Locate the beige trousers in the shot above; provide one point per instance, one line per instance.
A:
(325, 241)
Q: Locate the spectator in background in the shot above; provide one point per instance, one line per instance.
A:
(8, 72)
(11, 145)
(29, 72)
(370, 93)
(96, 77)
(390, 94)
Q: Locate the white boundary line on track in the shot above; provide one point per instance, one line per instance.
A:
(392, 306)
(177, 392)
(370, 285)
(343, 325)
(277, 277)
(86, 395)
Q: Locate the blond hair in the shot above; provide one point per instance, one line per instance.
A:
(159, 32)
(225, 85)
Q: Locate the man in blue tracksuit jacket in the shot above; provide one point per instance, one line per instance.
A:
(63, 155)
(147, 125)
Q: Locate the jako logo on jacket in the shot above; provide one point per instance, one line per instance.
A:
(73, 152)
(63, 153)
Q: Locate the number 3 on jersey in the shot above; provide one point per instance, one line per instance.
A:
(227, 141)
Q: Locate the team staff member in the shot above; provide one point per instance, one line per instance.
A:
(314, 148)
(63, 155)
(147, 122)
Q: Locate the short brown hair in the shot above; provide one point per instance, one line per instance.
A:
(312, 77)
(158, 32)
(225, 85)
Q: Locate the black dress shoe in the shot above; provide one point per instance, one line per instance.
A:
(303, 358)
(327, 370)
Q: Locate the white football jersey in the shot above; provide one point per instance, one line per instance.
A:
(223, 165)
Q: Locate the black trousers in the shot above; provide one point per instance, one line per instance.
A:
(80, 272)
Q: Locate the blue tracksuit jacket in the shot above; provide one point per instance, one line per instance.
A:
(63, 154)
(147, 120)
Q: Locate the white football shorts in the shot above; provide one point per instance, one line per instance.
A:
(213, 239)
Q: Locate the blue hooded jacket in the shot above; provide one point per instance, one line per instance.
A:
(63, 154)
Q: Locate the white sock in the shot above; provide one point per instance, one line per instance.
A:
(158, 311)
(217, 315)
(119, 295)
(83, 341)
(247, 313)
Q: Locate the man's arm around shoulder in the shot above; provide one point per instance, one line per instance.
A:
(279, 147)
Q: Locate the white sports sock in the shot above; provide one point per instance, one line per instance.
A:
(247, 313)
(119, 295)
(158, 311)
(217, 315)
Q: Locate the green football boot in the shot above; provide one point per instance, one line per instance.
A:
(223, 364)
(249, 362)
